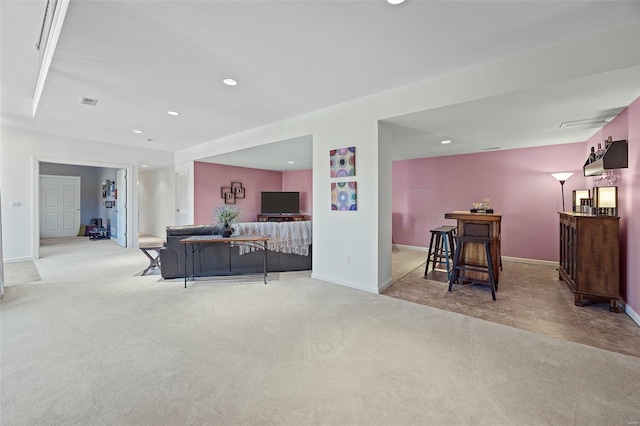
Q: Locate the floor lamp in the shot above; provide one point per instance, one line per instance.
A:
(562, 177)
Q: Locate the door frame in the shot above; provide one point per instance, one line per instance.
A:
(132, 197)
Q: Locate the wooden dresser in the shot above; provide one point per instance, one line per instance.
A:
(590, 257)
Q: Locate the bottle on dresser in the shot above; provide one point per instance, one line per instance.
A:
(607, 143)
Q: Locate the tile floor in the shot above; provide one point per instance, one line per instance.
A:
(530, 297)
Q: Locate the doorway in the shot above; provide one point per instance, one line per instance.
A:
(93, 204)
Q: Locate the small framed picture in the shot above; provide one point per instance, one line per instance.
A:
(224, 190)
(108, 204)
(229, 198)
(237, 189)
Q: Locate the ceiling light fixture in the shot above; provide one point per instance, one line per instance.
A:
(445, 142)
(587, 122)
(138, 131)
(290, 162)
(88, 101)
(230, 82)
(395, 1)
(173, 113)
(144, 165)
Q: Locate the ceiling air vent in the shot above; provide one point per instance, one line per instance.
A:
(89, 101)
(587, 122)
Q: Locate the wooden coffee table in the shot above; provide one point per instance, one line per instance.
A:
(197, 242)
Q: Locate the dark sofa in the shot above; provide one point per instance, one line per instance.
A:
(214, 259)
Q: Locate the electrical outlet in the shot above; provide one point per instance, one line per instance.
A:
(347, 259)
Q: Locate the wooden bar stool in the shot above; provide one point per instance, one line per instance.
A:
(474, 235)
(441, 248)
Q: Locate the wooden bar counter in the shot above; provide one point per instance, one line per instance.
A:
(474, 253)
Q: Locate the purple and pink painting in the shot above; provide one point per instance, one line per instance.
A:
(342, 162)
(343, 196)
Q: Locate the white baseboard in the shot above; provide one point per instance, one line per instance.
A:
(402, 246)
(633, 314)
(547, 263)
(338, 281)
(385, 286)
(18, 259)
(150, 234)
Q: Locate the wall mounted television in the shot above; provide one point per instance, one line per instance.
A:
(279, 202)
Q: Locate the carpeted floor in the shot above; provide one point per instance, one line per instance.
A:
(21, 273)
(95, 343)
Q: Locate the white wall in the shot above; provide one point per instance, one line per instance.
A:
(157, 207)
(21, 153)
(365, 235)
(1, 262)
(385, 168)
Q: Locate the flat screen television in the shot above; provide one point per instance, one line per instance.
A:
(280, 202)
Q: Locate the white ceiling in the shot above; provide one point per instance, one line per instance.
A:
(140, 59)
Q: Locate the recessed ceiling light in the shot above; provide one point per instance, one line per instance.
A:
(290, 162)
(395, 1)
(138, 131)
(229, 81)
(143, 165)
(445, 142)
(173, 113)
(88, 101)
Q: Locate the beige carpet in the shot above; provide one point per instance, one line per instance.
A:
(20, 273)
(94, 343)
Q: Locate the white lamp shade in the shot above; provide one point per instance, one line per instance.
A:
(562, 176)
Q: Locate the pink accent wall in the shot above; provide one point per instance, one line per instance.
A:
(627, 126)
(301, 181)
(517, 181)
(209, 178)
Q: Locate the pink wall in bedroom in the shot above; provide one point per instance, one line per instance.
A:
(517, 181)
(209, 178)
(626, 126)
(301, 181)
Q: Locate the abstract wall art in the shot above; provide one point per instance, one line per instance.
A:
(232, 193)
(343, 196)
(342, 162)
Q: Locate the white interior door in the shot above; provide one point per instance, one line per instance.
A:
(59, 206)
(121, 208)
(182, 198)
